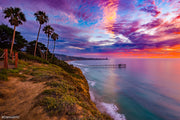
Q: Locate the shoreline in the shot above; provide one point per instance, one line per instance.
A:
(107, 108)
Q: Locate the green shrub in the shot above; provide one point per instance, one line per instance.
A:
(64, 87)
(53, 84)
(51, 105)
(3, 75)
(53, 92)
(13, 70)
(60, 106)
(68, 104)
(79, 76)
(68, 68)
(29, 57)
(40, 78)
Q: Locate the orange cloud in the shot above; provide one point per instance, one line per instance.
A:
(167, 52)
(177, 32)
(109, 10)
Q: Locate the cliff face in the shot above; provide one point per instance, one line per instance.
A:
(38, 91)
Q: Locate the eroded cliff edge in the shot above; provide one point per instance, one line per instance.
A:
(38, 91)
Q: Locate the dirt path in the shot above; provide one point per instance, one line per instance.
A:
(19, 99)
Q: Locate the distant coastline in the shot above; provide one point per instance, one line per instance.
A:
(73, 58)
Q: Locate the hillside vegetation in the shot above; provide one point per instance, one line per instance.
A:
(39, 90)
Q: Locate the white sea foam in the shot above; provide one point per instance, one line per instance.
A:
(77, 64)
(109, 108)
(112, 109)
(85, 70)
(92, 96)
(70, 62)
(92, 83)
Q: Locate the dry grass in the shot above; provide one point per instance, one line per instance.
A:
(45, 92)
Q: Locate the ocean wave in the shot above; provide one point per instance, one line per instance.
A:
(84, 70)
(108, 108)
(77, 64)
(112, 109)
(92, 96)
(92, 83)
(81, 66)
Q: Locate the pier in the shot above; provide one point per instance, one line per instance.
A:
(107, 65)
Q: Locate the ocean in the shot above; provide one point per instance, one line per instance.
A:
(147, 89)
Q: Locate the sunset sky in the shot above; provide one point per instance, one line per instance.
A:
(107, 28)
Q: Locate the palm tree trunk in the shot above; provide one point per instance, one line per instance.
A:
(41, 53)
(47, 47)
(13, 40)
(53, 50)
(37, 40)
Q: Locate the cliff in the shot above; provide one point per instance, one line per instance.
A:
(38, 91)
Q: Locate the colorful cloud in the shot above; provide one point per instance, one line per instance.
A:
(118, 28)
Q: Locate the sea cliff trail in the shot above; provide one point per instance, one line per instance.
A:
(37, 91)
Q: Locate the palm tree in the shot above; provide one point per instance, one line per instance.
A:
(48, 30)
(42, 18)
(54, 36)
(16, 17)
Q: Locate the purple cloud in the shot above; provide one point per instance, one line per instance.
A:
(170, 43)
(126, 4)
(172, 30)
(153, 24)
(153, 10)
(122, 4)
(149, 6)
(124, 47)
(124, 27)
(74, 36)
(69, 32)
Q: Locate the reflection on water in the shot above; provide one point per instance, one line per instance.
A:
(148, 89)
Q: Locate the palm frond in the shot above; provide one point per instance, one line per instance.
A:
(22, 17)
(54, 36)
(17, 10)
(48, 30)
(41, 17)
(15, 16)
